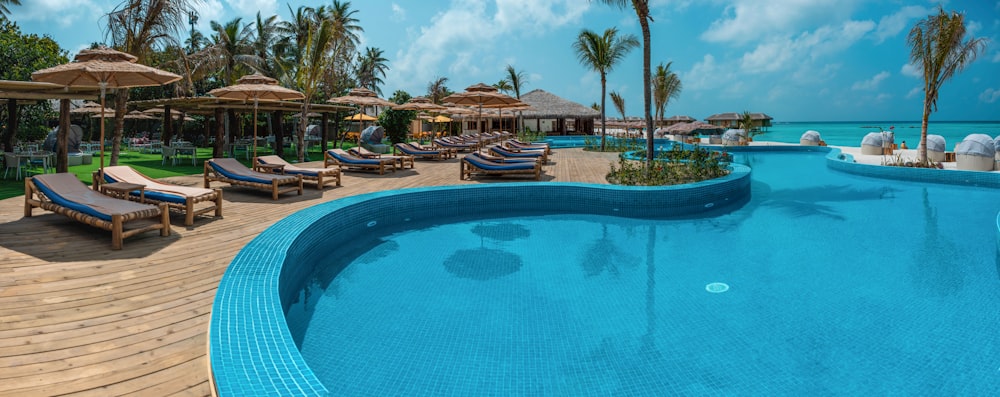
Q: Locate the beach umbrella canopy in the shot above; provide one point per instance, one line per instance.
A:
(258, 88)
(137, 115)
(481, 95)
(104, 68)
(360, 117)
(421, 104)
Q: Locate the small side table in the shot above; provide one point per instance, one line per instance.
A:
(122, 189)
(270, 168)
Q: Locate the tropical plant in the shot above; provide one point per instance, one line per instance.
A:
(264, 40)
(619, 102)
(232, 48)
(437, 90)
(940, 48)
(600, 53)
(666, 86)
(641, 8)
(397, 122)
(371, 69)
(138, 27)
(4, 11)
(503, 86)
(676, 166)
(517, 81)
(310, 72)
(21, 55)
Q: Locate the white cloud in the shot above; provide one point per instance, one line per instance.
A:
(914, 92)
(872, 83)
(911, 70)
(781, 52)
(70, 12)
(890, 25)
(704, 75)
(990, 95)
(750, 20)
(460, 40)
(210, 10)
(398, 13)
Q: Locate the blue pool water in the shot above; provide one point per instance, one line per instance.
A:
(839, 285)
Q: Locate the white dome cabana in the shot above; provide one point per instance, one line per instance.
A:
(810, 138)
(976, 152)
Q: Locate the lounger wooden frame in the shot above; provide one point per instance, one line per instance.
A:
(329, 160)
(275, 187)
(186, 208)
(434, 154)
(323, 175)
(399, 161)
(34, 197)
(469, 168)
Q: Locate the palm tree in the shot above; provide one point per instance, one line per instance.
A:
(517, 82)
(642, 11)
(939, 47)
(619, 102)
(264, 40)
(316, 59)
(138, 27)
(666, 85)
(601, 53)
(436, 90)
(233, 49)
(3, 6)
(503, 86)
(371, 69)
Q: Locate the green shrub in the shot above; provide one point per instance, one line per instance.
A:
(672, 167)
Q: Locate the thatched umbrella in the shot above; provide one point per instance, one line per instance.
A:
(481, 95)
(257, 87)
(422, 104)
(104, 68)
(696, 127)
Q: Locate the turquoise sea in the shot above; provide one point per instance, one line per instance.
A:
(850, 133)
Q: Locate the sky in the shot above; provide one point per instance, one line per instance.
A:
(796, 60)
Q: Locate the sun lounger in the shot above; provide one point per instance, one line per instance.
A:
(457, 146)
(518, 145)
(475, 165)
(399, 162)
(64, 194)
(420, 153)
(500, 151)
(345, 160)
(499, 159)
(180, 198)
(318, 176)
(233, 172)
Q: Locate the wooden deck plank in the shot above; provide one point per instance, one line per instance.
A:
(78, 318)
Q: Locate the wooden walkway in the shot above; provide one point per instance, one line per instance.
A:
(78, 318)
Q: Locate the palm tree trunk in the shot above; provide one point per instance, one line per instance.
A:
(646, 95)
(116, 138)
(922, 150)
(300, 149)
(604, 120)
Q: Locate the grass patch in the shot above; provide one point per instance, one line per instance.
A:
(149, 164)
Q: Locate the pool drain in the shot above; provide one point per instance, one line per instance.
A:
(372, 223)
(717, 288)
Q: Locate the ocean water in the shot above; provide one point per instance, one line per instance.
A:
(850, 133)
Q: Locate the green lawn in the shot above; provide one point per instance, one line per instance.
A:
(148, 164)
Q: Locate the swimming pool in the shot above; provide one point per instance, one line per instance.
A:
(839, 284)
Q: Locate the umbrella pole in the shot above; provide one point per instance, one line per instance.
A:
(254, 129)
(100, 174)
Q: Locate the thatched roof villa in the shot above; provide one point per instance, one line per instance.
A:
(731, 119)
(557, 116)
(669, 121)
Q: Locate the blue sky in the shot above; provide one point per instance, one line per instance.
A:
(797, 60)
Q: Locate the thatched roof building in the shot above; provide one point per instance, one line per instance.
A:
(677, 119)
(556, 115)
(732, 119)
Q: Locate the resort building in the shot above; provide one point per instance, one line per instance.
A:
(557, 116)
(731, 120)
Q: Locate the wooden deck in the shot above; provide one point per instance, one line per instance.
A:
(78, 318)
